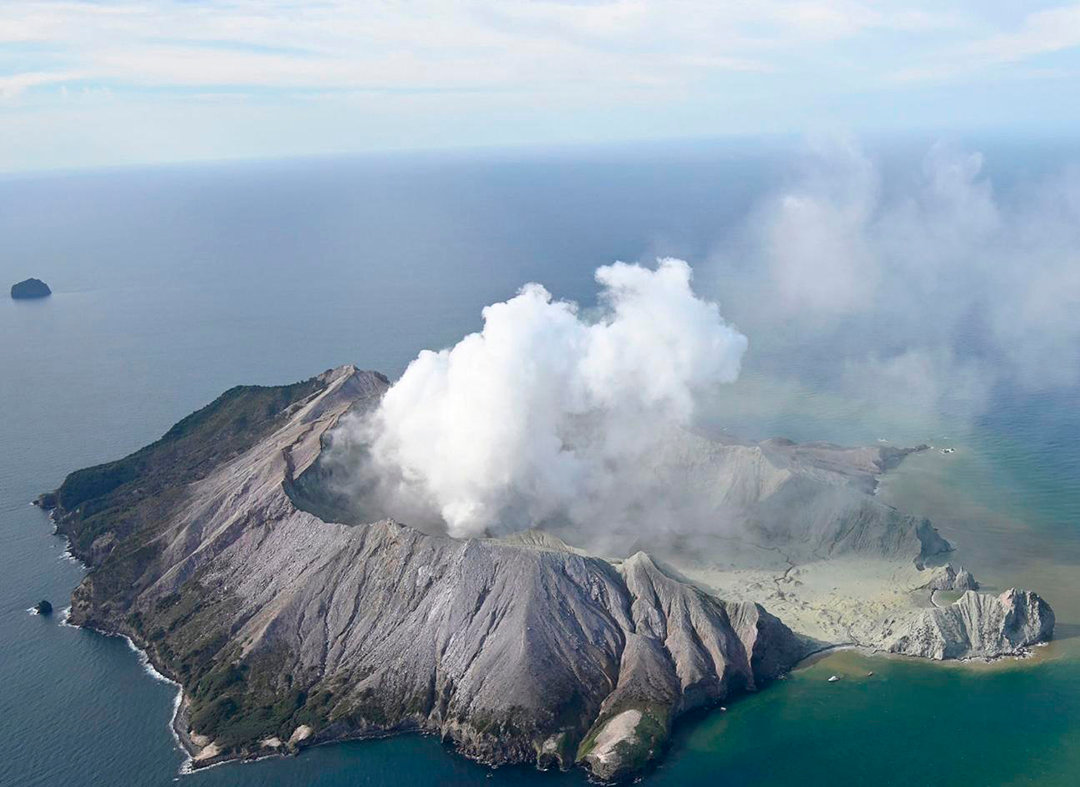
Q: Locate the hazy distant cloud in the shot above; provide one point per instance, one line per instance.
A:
(1038, 33)
(925, 290)
(511, 44)
(818, 257)
(546, 70)
(14, 85)
(1051, 30)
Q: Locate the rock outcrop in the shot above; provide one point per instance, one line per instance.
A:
(948, 577)
(30, 288)
(978, 625)
(964, 580)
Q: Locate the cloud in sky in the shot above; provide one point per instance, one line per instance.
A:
(434, 72)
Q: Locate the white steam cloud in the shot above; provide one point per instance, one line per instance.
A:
(924, 285)
(546, 415)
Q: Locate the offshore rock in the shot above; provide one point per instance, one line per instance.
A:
(30, 288)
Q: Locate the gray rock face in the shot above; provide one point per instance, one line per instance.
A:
(978, 625)
(965, 580)
(810, 501)
(513, 653)
(30, 288)
(683, 649)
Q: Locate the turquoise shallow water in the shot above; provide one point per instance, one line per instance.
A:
(173, 285)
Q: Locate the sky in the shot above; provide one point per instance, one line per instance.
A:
(117, 82)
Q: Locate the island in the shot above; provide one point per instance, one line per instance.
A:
(29, 289)
(290, 616)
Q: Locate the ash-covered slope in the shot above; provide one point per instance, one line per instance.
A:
(810, 501)
(798, 528)
(285, 629)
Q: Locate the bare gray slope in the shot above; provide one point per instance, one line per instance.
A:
(725, 497)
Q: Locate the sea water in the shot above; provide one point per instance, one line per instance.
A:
(173, 284)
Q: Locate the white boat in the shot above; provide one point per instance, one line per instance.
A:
(834, 678)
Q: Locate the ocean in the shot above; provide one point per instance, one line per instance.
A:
(172, 284)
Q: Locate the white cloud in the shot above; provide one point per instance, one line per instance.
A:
(547, 71)
(431, 44)
(1038, 33)
(1041, 32)
(818, 257)
(15, 85)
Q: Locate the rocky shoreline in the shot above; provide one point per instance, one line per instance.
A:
(179, 722)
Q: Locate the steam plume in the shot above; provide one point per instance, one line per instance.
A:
(546, 415)
(917, 287)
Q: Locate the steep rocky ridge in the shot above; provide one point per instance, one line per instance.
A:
(809, 501)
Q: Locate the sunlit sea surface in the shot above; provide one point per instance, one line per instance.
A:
(174, 284)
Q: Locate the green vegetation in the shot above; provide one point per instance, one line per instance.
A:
(649, 738)
(238, 702)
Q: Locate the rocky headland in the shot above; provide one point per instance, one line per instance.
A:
(222, 551)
